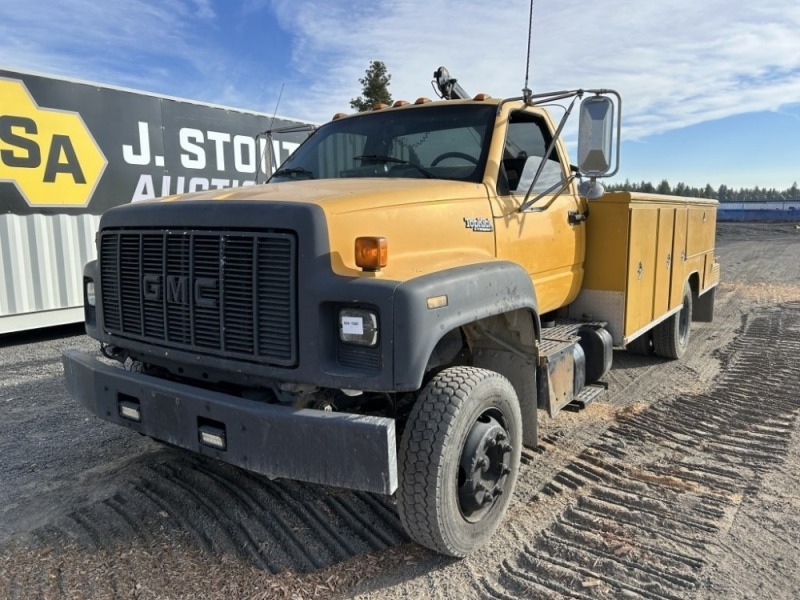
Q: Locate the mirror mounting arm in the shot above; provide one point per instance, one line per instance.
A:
(561, 186)
(273, 162)
(527, 202)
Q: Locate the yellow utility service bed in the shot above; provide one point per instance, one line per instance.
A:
(641, 249)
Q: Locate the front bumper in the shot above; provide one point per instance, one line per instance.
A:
(338, 449)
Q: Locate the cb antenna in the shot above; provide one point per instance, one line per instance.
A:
(527, 94)
(269, 141)
(280, 95)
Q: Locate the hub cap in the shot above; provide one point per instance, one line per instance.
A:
(483, 468)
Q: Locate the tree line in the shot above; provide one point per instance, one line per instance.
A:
(723, 193)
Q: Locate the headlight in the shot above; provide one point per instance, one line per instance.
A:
(91, 297)
(358, 326)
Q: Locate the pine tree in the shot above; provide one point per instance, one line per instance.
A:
(375, 88)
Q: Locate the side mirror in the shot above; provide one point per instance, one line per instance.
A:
(596, 136)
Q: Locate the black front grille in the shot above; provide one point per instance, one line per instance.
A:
(217, 293)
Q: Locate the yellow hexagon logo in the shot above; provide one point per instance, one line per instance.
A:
(49, 154)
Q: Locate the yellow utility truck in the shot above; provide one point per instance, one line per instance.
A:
(390, 311)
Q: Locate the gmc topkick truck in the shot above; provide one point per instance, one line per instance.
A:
(394, 307)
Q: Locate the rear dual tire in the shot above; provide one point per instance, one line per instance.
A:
(671, 337)
(642, 345)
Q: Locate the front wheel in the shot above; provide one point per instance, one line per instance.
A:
(458, 460)
(671, 337)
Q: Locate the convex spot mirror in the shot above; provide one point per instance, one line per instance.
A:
(595, 136)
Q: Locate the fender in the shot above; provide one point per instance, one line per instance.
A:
(473, 292)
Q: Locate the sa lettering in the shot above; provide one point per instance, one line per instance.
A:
(26, 152)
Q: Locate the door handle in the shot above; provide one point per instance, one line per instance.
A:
(574, 217)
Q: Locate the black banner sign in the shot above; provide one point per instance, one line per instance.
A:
(69, 147)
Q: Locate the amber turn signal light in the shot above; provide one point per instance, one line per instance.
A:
(372, 253)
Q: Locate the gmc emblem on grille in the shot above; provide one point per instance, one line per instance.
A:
(176, 289)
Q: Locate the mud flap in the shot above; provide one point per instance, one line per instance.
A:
(703, 306)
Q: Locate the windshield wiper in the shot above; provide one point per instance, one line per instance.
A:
(289, 171)
(380, 158)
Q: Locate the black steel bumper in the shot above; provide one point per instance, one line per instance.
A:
(350, 451)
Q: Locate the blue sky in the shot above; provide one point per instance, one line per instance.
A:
(711, 88)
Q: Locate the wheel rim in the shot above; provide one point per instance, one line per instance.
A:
(484, 466)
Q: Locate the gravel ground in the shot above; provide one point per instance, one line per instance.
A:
(681, 483)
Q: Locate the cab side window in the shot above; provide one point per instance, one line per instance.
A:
(527, 139)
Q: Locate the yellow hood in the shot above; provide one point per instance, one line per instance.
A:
(346, 194)
(423, 220)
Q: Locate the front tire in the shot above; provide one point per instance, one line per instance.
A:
(458, 460)
(671, 337)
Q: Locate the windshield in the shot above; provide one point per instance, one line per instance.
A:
(439, 142)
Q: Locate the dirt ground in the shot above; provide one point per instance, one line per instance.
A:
(683, 482)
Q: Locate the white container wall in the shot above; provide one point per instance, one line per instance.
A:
(41, 268)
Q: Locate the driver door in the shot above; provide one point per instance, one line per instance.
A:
(543, 239)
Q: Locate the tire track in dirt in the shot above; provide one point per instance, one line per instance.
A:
(649, 499)
(274, 525)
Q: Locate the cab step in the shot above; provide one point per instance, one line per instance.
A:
(586, 397)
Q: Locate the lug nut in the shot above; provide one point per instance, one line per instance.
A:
(479, 487)
(481, 463)
(497, 492)
(505, 471)
(501, 436)
(506, 447)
